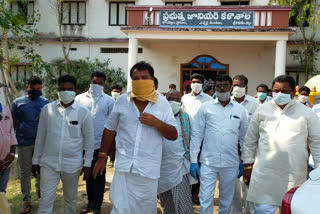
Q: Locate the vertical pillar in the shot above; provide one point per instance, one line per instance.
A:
(132, 59)
(280, 62)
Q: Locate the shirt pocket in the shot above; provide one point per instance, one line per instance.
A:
(74, 129)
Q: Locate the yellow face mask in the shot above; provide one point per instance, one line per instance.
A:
(143, 90)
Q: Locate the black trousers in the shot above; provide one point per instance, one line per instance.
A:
(95, 187)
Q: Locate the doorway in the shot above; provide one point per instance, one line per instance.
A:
(206, 65)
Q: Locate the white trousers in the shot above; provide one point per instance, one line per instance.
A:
(236, 207)
(208, 177)
(133, 194)
(265, 208)
(49, 180)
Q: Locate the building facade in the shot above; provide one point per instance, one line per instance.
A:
(126, 31)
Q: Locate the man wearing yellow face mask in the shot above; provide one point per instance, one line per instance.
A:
(142, 119)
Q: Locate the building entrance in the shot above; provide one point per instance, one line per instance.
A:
(206, 65)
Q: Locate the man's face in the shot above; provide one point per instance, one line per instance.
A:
(34, 87)
(98, 81)
(260, 89)
(304, 93)
(239, 83)
(283, 87)
(223, 86)
(66, 86)
(195, 80)
(116, 90)
(141, 75)
(174, 97)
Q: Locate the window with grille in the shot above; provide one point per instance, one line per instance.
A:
(118, 15)
(234, 2)
(25, 8)
(118, 50)
(73, 13)
(187, 3)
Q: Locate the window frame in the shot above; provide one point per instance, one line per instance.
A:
(69, 12)
(24, 9)
(173, 3)
(117, 12)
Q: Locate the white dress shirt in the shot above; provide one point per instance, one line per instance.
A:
(220, 128)
(192, 103)
(276, 143)
(174, 165)
(63, 134)
(249, 103)
(316, 109)
(139, 147)
(100, 108)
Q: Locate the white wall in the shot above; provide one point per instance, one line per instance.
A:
(256, 61)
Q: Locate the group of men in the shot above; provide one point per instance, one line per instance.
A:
(256, 147)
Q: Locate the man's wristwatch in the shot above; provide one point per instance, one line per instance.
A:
(12, 154)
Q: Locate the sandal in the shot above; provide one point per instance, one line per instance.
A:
(25, 209)
(195, 199)
(85, 209)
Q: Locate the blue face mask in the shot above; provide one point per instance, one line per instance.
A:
(262, 95)
(281, 98)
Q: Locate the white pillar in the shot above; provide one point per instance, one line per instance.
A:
(280, 63)
(132, 59)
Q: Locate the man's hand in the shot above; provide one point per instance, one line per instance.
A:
(5, 163)
(194, 170)
(36, 171)
(100, 166)
(149, 120)
(86, 171)
(247, 173)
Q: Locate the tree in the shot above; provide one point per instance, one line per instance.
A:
(305, 16)
(14, 30)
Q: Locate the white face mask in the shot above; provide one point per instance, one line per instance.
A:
(196, 87)
(223, 96)
(302, 98)
(175, 107)
(281, 98)
(95, 90)
(115, 95)
(66, 96)
(238, 92)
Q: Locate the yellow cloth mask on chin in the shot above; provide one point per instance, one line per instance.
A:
(143, 90)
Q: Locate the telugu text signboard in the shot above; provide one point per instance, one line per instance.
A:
(207, 19)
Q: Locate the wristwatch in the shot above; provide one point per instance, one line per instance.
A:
(12, 154)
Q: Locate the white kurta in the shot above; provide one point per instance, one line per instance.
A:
(276, 142)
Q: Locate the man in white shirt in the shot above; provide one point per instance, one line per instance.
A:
(64, 131)
(250, 104)
(262, 94)
(100, 105)
(141, 118)
(316, 109)
(275, 150)
(174, 185)
(220, 123)
(190, 104)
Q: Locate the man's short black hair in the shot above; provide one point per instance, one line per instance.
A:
(207, 89)
(99, 75)
(172, 86)
(197, 76)
(304, 88)
(116, 86)
(155, 80)
(241, 78)
(263, 86)
(34, 80)
(67, 78)
(283, 79)
(224, 77)
(187, 88)
(141, 66)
